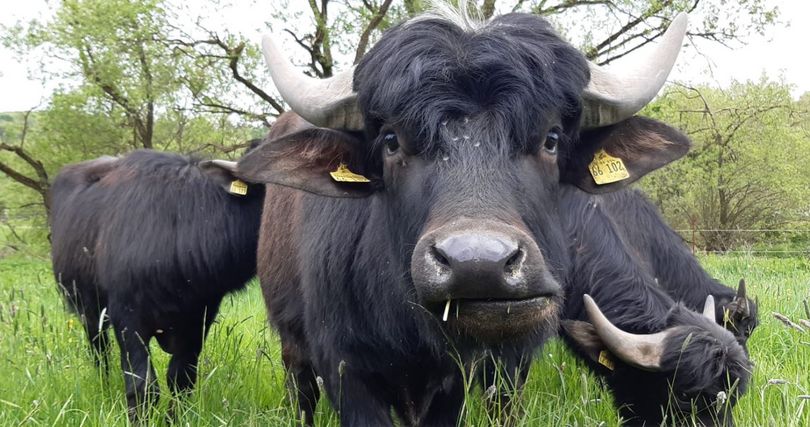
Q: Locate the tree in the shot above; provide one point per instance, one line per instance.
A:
(134, 55)
(112, 47)
(607, 30)
(136, 85)
(153, 74)
(745, 168)
(37, 178)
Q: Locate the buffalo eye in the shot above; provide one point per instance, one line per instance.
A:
(391, 143)
(552, 139)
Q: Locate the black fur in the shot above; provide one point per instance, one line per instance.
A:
(155, 240)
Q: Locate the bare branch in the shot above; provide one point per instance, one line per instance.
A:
(18, 176)
(373, 23)
(567, 4)
(233, 64)
(39, 184)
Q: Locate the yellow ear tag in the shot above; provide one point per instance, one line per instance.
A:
(605, 360)
(238, 187)
(343, 174)
(606, 168)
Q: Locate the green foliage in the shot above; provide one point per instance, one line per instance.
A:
(49, 375)
(149, 73)
(138, 86)
(746, 166)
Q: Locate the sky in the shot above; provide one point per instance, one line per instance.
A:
(776, 54)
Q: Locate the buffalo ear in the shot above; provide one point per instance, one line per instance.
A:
(641, 144)
(305, 160)
(585, 337)
(587, 340)
(222, 172)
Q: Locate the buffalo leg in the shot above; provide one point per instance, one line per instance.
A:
(139, 376)
(182, 373)
(445, 408)
(359, 402)
(185, 344)
(88, 303)
(301, 378)
(96, 330)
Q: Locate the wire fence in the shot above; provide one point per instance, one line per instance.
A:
(742, 241)
(764, 246)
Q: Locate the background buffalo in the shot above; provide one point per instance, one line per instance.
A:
(150, 243)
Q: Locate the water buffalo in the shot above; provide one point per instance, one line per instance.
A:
(645, 280)
(150, 243)
(420, 223)
(662, 253)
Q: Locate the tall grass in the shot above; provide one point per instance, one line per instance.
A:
(47, 375)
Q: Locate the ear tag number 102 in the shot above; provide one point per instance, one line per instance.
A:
(606, 169)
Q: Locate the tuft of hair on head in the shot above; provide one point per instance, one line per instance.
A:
(465, 16)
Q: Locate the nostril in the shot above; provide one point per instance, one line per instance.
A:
(514, 261)
(439, 256)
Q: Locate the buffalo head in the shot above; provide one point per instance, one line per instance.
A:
(460, 136)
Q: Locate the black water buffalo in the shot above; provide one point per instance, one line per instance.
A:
(150, 243)
(646, 280)
(432, 229)
(659, 250)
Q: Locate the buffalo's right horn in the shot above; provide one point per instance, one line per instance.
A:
(329, 103)
(640, 350)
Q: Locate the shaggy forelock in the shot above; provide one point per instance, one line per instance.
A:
(514, 68)
(464, 17)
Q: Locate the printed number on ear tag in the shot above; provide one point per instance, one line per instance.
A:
(238, 187)
(606, 168)
(605, 360)
(343, 174)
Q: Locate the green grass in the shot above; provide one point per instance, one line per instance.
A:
(47, 376)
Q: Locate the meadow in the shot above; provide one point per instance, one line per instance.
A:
(47, 376)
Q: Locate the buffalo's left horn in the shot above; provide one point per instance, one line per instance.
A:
(614, 95)
(640, 350)
(224, 164)
(329, 103)
(708, 309)
(742, 300)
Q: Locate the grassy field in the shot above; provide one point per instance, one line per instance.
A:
(47, 376)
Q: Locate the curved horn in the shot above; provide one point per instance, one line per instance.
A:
(614, 95)
(642, 351)
(224, 164)
(327, 103)
(708, 309)
(741, 290)
(742, 300)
